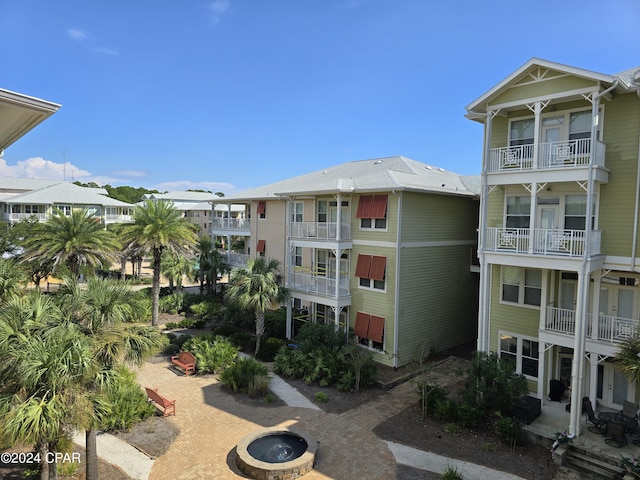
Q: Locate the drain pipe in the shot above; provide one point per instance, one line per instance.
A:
(577, 368)
(636, 81)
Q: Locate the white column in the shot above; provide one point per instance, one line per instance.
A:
(595, 305)
(484, 307)
(289, 325)
(339, 218)
(593, 377)
(577, 369)
(532, 214)
(338, 254)
(537, 110)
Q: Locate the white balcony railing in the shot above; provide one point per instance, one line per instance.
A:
(230, 223)
(556, 242)
(17, 217)
(235, 259)
(115, 218)
(566, 154)
(320, 285)
(610, 329)
(319, 231)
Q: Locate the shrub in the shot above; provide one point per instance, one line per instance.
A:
(205, 309)
(226, 330)
(244, 341)
(170, 326)
(510, 431)
(321, 397)
(244, 376)
(269, 348)
(213, 354)
(172, 349)
(452, 473)
(123, 404)
(429, 395)
(275, 323)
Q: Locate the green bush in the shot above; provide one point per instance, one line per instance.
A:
(452, 473)
(321, 397)
(123, 404)
(510, 431)
(172, 349)
(172, 303)
(275, 324)
(213, 354)
(246, 375)
(244, 341)
(269, 348)
(205, 309)
(226, 330)
(171, 326)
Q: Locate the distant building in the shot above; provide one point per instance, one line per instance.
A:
(195, 206)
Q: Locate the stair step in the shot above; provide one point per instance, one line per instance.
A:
(597, 467)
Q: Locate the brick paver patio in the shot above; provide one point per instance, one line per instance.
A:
(212, 422)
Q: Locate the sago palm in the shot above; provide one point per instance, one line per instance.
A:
(158, 227)
(257, 287)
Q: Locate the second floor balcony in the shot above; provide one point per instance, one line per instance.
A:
(234, 259)
(539, 241)
(609, 329)
(551, 155)
(310, 282)
(231, 224)
(18, 217)
(326, 231)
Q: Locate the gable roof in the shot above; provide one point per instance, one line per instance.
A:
(600, 80)
(67, 193)
(19, 114)
(374, 175)
(181, 196)
(13, 185)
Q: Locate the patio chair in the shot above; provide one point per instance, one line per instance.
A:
(616, 435)
(598, 425)
(629, 411)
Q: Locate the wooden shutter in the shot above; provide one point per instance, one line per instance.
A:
(363, 266)
(362, 324)
(261, 245)
(262, 207)
(378, 267)
(379, 206)
(376, 328)
(364, 206)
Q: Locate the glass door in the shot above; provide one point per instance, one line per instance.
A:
(552, 137)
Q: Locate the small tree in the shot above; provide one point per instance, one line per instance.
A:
(628, 359)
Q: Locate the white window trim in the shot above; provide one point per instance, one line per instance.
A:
(373, 289)
(373, 222)
(567, 115)
(518, 354)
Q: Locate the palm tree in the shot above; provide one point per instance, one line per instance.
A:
(209, 265)
(12, 279)
(106, 310)
(174, 268)
(44, 363)
(257, 287)
(159, 227)
(628, 359)
(74, 241)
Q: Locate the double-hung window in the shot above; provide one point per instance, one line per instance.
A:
(297, 211)
(370, 330)
(521, 285)
(372, 212)
(523, 352)
(518, 212)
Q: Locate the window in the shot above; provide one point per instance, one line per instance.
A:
(522, 352)
(580, 125)
(370, 330)
(262, 209)
(372, 211)
(31, 209)
(297, 212)
(16, 208)
(521, 132)
(297, 257)
(261, 247)
(322, 211)
(521, 285)
(575, 212)
(518, 212)
(371, 270)
(65, 209)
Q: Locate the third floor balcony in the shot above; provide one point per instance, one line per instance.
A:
(319, 231)
(540, 241)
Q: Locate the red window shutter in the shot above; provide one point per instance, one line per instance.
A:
(378, 267)
(362, 324)
(376, 328)
(261, 245)
(379, 206)
(262, 207)
(364, 206)
(363, 266)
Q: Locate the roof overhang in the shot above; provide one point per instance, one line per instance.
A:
(19, 114)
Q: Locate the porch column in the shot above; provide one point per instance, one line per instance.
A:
(577, 369)
(228, 214)
(338, 254)
(339, 218)
(593, 377)
(537, 110)
(542, 352)
(532, 215)
(542, 356)
(595, 306)
(484, 307)
(336, 316)
(289, 324)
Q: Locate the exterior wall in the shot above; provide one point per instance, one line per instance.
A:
(437, 291)
(540, 89)
(272, 229)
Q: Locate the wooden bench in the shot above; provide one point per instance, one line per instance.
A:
(186, 361)
(168, 406)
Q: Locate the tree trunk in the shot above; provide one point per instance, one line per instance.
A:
(92, 454)
(43, 449)
(155, 289)
(123, 268)
(139, 273)
(259, 329)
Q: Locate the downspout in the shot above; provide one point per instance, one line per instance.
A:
(583, 292)
(397, 292)
(636, 82)
(483, 301)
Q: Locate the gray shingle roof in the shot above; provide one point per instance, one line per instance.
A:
(67, 193)
(374, 175)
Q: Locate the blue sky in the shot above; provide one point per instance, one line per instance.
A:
(226, 95)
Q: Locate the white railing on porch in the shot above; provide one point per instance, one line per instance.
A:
(565, 154)
(568, 243)
(318, 284)
(609, 329)
(235, 259)
(319, 231)
(16, 217)
(230, 223)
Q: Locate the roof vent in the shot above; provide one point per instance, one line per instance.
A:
(429, 167)
(441, 169)
(377, 162)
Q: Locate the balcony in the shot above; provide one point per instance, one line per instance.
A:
(609, 329)
(234, 259)
(324, 231)
(319, 285)
(551, 242)
(230, 224)
(17, 217)
(116, 218)
(552, 155)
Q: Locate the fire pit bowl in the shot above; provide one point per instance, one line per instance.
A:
(270, 453)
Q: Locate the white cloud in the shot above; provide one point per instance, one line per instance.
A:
(219, 6)
(84, 37)
(214, 187)
(77, 34)
(38, 167)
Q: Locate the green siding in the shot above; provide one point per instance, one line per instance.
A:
(543, 88)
